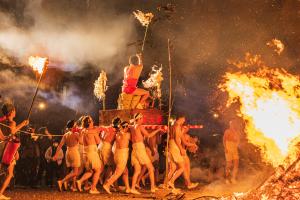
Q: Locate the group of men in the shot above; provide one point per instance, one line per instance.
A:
(100, 154)
(94, 151)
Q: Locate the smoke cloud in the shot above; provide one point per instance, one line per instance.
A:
(67, 36)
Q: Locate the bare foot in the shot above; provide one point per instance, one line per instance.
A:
(59, 183)
(78, 184)
(134, 191)
(106, 188)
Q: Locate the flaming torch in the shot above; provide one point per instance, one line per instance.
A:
(38, 64)
(145, 20)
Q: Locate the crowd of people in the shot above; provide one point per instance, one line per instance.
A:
(87, 156)
(95, 154)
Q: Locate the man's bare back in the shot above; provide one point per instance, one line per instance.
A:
(110, 134)
(91, 136)
(135, 72)
(122, 140)
(71, 139)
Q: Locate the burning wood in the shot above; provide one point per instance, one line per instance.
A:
(270, 106)
(37, 63)
(144, 18)
(283, 184)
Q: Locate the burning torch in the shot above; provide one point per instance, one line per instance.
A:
(39, 64)
(145, 20)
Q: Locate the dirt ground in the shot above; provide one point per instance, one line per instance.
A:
(216, 189)
(47, 194)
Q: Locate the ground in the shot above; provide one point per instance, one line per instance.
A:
(47, 194)
(215, 189)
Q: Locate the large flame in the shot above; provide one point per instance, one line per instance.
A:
(270, 105)
(37, 63)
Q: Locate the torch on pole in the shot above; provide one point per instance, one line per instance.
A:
(145, 20)
(39, 65)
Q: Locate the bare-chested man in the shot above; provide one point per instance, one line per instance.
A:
(152, 152)
(189, 143)
(178, 153)
(93, 163)
(231, 140)
(107, 142)
(120, 158)
(71, 139)
(139, 155)
(9, 131)
(131, 76)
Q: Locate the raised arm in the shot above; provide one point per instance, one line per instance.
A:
(141, 59)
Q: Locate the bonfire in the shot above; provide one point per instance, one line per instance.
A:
(269, 101)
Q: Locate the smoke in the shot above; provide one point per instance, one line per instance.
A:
(77, 36)
(65, 34)
(15, 86)
(9, 81)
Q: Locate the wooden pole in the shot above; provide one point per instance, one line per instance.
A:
(103, 102)
(36, 92)
(145, 35)
(169, 112)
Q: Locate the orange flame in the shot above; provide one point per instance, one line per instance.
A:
(37, 63)
(270, 105)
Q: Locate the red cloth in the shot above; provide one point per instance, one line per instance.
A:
(9, 152)
(129, 85)
(2, 118)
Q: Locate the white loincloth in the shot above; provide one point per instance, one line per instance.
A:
(139, 154)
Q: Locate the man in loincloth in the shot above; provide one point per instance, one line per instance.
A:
(93, 163)
(152, 151)
(71, 139)
(108, 139)
(131, 76)
(190, 144)
(9, 130)
(231, 141)
(120, 157)
(139, 155)
(177, 154)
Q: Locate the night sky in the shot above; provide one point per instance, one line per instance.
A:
(83, 37)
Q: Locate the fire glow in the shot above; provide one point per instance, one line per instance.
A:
(37, 63)
(270, 105)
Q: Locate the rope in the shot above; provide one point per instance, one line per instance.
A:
(29, 133)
